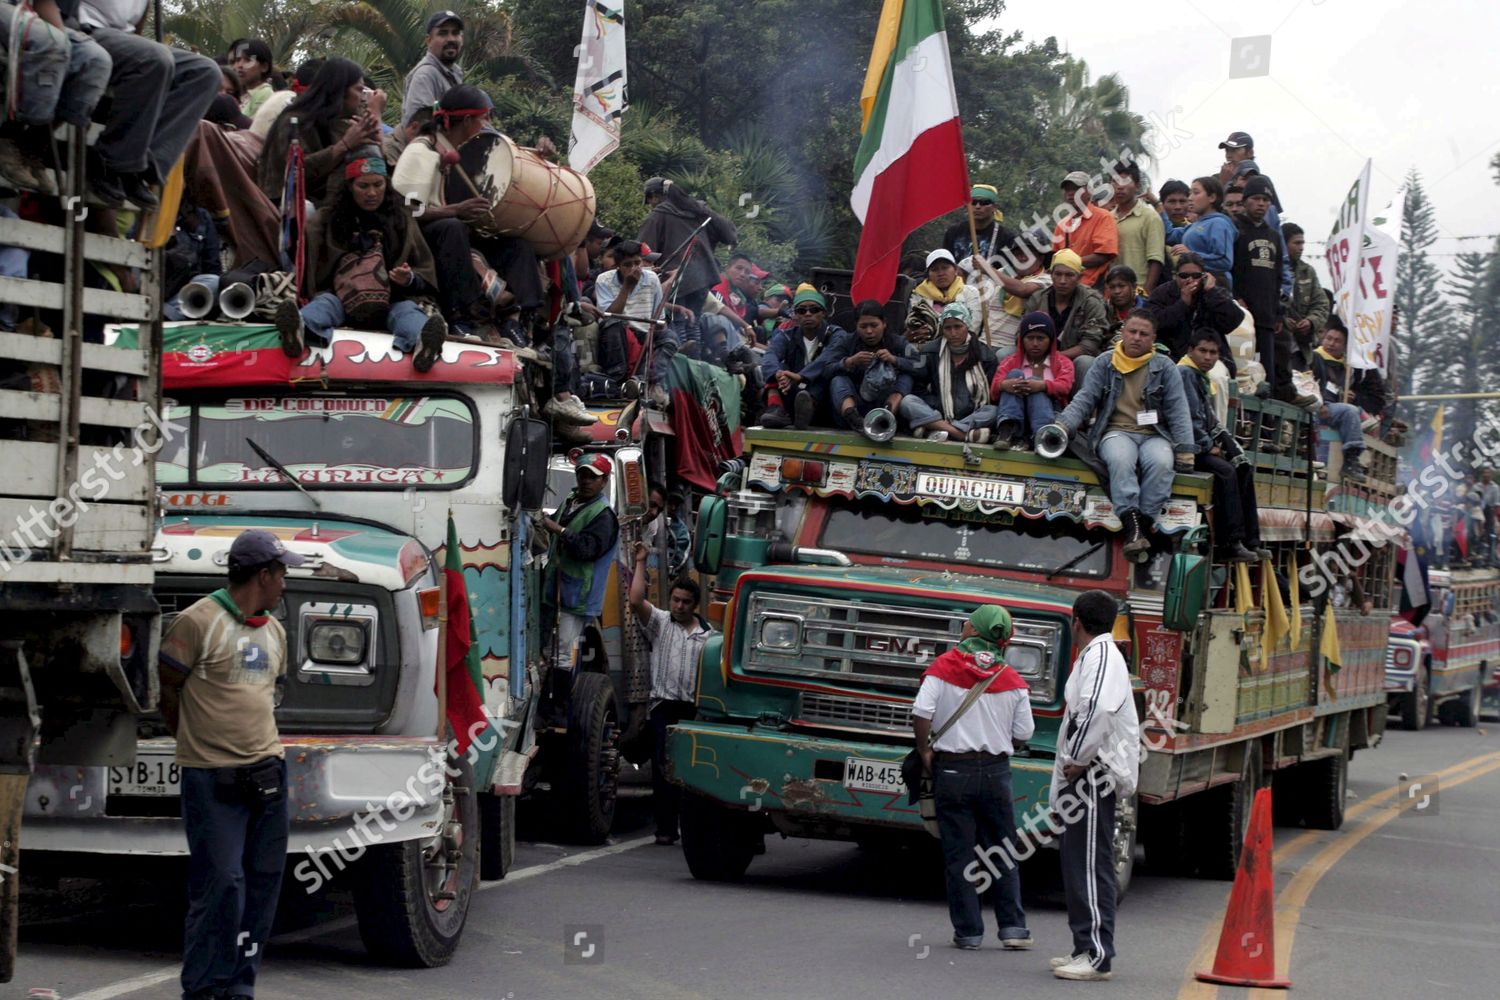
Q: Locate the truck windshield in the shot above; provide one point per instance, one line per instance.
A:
(900, 531)
(329, 442)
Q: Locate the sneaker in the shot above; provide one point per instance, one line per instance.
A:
(853, 420)
(571, 433)
(430, 343)
(1369, 423)
(22, 169)
(967, 943)
(569, 411)
(1081, 970)
(1306, 402)
(938, 436)
(1018, 943)
(802, 409)
(1061, 960)
(1352, 474)
(289, 326)
(775, 418)
(659, 397)
(1020, 444)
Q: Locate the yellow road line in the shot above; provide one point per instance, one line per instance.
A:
(1208, 943)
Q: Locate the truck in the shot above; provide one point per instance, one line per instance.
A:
(842, 567)
(81, 424)
(1441, 663)
(359, 463)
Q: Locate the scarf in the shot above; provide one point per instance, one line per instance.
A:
(979, 386)
(1320, 352)
(933, 293)
(1124, 363)
(979, 657)
(1187, 362)
(222, 599)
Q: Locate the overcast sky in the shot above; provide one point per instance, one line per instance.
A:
(1403, 82)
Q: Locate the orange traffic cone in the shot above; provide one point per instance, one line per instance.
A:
(1247, 944)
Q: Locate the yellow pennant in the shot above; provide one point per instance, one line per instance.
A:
(1276, 624)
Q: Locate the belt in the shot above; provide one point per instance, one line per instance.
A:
(970, 755)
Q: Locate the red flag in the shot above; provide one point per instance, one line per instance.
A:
(461, 657)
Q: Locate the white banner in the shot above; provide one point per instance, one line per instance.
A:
(599, 93)
(1362, 267)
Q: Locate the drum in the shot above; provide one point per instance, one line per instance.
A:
(549, 206)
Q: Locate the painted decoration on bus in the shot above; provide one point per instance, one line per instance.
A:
(324, 441)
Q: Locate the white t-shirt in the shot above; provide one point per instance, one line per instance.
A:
(642, 301)
(122, 15)
(1099, 721)
(994, 724)
(675, 652)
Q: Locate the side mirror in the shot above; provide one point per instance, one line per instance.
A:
(1187, 583)
(528, 445)
(708, 545)
(634, 496)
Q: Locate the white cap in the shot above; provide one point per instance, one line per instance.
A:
(937, 255)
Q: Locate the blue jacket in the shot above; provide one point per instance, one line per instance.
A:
(845, 344)
(1096, 398)
(1205, 423)
(787, 353)
(1212, 238)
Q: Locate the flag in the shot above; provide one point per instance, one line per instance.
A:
(599, 94)
(1370, 330)
(203, 355)
(1294, 591)
(1276, 623)
(294, 216)
(910, 167)
(461, 657)
(1345, 254)
(1329, 646)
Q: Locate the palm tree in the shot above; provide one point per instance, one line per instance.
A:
(291, 29)
(1099, 110)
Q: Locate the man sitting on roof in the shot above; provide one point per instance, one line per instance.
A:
(632, 290)
(795, 366)
(872, 367)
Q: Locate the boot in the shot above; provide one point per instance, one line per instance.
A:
(1137, 546)
(1007, 433)
(1353, 471)
(775, 417)
(803, 409)
(1237, 552)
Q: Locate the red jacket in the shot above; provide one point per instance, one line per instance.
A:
(1059, 386)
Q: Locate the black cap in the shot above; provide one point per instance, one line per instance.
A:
(259, 548)
(443, 17)
(252, 47)
(465, 97)
(1237, 140)
(1259, 185)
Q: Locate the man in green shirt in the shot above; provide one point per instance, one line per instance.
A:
(1141, 236)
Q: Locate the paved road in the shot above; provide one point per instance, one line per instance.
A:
(1397, 904)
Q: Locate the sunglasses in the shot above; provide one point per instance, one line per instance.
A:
(981, 201)
(807, 310)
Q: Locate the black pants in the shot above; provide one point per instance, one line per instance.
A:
(1236, 517)
(1088, 867)
(665, 796)
(614, 352)
(458, 284)
(515, 261)
(1275, 351)
(975, 811)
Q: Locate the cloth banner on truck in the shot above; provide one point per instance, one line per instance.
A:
(599, 92)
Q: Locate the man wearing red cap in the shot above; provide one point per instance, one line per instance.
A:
(585, 535)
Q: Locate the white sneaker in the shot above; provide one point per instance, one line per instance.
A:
(1018, 944)
(938, 436)
(1061, 960)
(1081, 971)
(571, 410)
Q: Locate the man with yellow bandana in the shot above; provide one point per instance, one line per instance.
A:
(1138, 422)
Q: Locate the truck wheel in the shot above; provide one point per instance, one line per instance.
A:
(1466, 709)
(1223, 819)
(1287, 790)
(497, 836)
(717, 841)
(1326, 782)
(412, 898)
(593, 755)
(1127, 821)
(1414, 707)
(1165, 835)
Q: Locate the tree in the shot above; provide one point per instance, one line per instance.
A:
(1419, 307)
(1468, 338)
(290, 29)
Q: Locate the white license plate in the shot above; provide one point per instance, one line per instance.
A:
(867, 775)
(151, 774)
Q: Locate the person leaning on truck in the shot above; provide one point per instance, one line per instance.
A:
(585, 535)
(970, 767)
(1097, 763)
(223, 662)
(676, 638)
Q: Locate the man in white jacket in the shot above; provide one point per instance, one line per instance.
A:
(1097, 764)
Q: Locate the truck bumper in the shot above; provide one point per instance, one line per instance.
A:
(798, 780)
(344, 793)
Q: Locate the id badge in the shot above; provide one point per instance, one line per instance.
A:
(1333, 387)
(1145, 418)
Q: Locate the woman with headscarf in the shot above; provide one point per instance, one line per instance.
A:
(970, 767)
(922, 322)
(951, 395)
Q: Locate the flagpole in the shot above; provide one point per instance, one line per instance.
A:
(442, 648)
(984, 311)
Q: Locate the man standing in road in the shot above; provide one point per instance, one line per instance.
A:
(222, 665)
(585, 535)
(1097, 762)
(970, 767)
(676, 638)
(438, 71)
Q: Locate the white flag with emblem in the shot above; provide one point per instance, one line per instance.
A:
(599, 97)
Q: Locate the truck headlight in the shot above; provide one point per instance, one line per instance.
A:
(781, 634)
(338, 643)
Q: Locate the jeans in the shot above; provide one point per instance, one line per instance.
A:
(917, 413)
(173, 309)
(14, 263)
(63, 73)
(238, 853)
(1029, 412)
(160, 95)
(842, 387)
(404, 320)
(614, 353)
(564, 360)
(1140, 471)
(1236, 517)
(975, 810)
(666, 798)
(1344, 418)
(1088, 868)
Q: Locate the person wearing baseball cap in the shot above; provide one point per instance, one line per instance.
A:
(1031, 385)
(945, 285)
(585, 534)
(1087, 230)
(438, 71)
(222, 664)
(250, 58)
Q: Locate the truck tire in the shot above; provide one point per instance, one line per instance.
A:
(1223, 818)
(1466, 709)
(497, 836)
(1287, 791)
(717, 841)
(593, 754)
(1416, 707)
(1127, 822)
(412, 898)
(1325, 785)
(1165, 836)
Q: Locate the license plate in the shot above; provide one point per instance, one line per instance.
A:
(151, 774)
(867, 775)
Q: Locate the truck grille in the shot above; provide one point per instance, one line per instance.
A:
(857, 713)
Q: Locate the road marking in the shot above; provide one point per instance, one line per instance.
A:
(1208, 944)
(149, 979)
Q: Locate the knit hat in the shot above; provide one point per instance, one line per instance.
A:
(956, 310)
(807, 293)
(1068, 259)
(1034, 321)
(775, 290)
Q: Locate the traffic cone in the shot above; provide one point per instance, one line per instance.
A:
(1247, 944)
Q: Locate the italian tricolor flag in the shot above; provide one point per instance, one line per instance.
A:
(910, 168)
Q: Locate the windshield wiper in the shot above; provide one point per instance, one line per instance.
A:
(266, 457)
(1076, 559)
